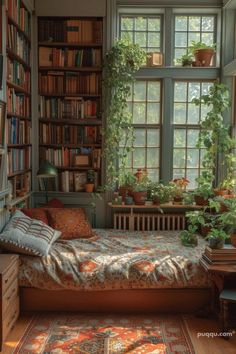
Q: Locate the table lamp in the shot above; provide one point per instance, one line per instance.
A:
(46, 170)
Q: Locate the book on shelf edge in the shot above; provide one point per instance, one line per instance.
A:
(226, 249)
(210, 261)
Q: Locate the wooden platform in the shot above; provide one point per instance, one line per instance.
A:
(115, 301)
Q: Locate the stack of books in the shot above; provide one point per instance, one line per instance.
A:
(225, 255)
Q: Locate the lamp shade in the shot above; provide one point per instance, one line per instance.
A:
(47, 170)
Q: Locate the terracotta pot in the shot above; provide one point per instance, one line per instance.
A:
(203, 57)
(204, 230)
(221, 192)
(156, 200)
(199, 200)
(140, 197)
(178, 200)
(125, 191)
(89, 187)
(233, 238)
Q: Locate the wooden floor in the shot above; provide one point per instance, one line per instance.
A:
(202, 345)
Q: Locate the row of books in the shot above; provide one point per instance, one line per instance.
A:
(71, 30)
(66, 157)
(19, 159)
(18, 131)
(68, 107)
(225, 255)
(19, 14)
(17, 74)
(70, 57)
(20, 184)
(18, 103)
(69, 134)
(18, 44)
(69, 83)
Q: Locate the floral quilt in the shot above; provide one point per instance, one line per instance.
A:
(115, 259)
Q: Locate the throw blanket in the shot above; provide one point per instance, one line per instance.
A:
(117, 260)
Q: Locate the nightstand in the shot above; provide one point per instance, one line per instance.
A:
(10, 308)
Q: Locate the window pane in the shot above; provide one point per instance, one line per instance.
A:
(181, 23)
(193, 90)
(194, 23)
(193, 36)
(153, 137)
(152, 157)
(153, 113)
(208, 24)
(140, 138)
(191, 176)
(140, 91)
(180, 94)
(208, 38)
(180, 39)
(153, 174)
(179, 138)
(139, 113)
(192, 158)
(193, 114)
(153, 91)
(178, 173)
(180, 113)
(139, 158)
(179, 158)
(140, 38)
(128, 36)
(192, 137)
(140, 24)
(153, 40)
(154, 24)
(127, 23)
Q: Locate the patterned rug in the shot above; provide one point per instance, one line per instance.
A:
(98, 334)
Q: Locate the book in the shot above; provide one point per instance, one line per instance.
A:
(225, 261)
(228, 248)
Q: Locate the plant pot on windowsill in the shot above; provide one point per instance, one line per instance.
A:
(221, 192)
(199, 200)
(89, 187)
(125, 191)
(203, 56)
(140, 197)
(177, 200)
(216, 243)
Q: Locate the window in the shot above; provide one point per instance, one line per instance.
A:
(193, 28)
(166, 127)
(186, 118)
(144, 105)
(143, 30)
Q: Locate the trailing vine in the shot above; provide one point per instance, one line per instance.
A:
(121, 63)
(215, 137)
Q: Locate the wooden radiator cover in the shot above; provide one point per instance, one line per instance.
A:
(149, 221)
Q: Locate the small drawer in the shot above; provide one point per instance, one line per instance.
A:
(10, 319)
(9, 295)
(9, 276)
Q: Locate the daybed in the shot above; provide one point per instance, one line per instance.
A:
(77, 268)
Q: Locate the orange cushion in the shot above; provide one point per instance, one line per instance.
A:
(36, 213)
(72, 222)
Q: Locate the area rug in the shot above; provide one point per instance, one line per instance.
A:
(100, 334)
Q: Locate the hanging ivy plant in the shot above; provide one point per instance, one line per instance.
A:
(121, 63)
(215, 137)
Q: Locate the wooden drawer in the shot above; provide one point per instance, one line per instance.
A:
(9, 276)
(9, 295)
(12, 314)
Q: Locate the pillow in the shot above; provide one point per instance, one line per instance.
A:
(54, 203)
(72, 222)
(25, 235)
(36, 213)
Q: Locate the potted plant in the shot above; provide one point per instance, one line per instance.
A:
(89, 186)
(126, 182)
(140, 190)
(228, 218)
(121, 63)
(179, 187)
(202, 193)
(202, 53)
(186, 59)
(189, 237)
(160, 193)
(217, 237)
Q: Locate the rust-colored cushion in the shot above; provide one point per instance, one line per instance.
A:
(54, 203)
(72, 222)
(37, 214)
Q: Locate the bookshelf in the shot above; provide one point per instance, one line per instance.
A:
(18, 123)
(69, 77)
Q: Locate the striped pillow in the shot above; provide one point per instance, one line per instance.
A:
(28, 236)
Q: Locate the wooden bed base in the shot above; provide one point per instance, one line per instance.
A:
(115, 301)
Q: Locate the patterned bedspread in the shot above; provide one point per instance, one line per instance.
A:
(117, 260)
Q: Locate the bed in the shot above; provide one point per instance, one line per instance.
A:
(116, 271)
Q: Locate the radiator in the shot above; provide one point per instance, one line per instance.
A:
(149, 221)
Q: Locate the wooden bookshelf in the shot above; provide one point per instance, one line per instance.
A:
(70, 76)
(18, 123)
